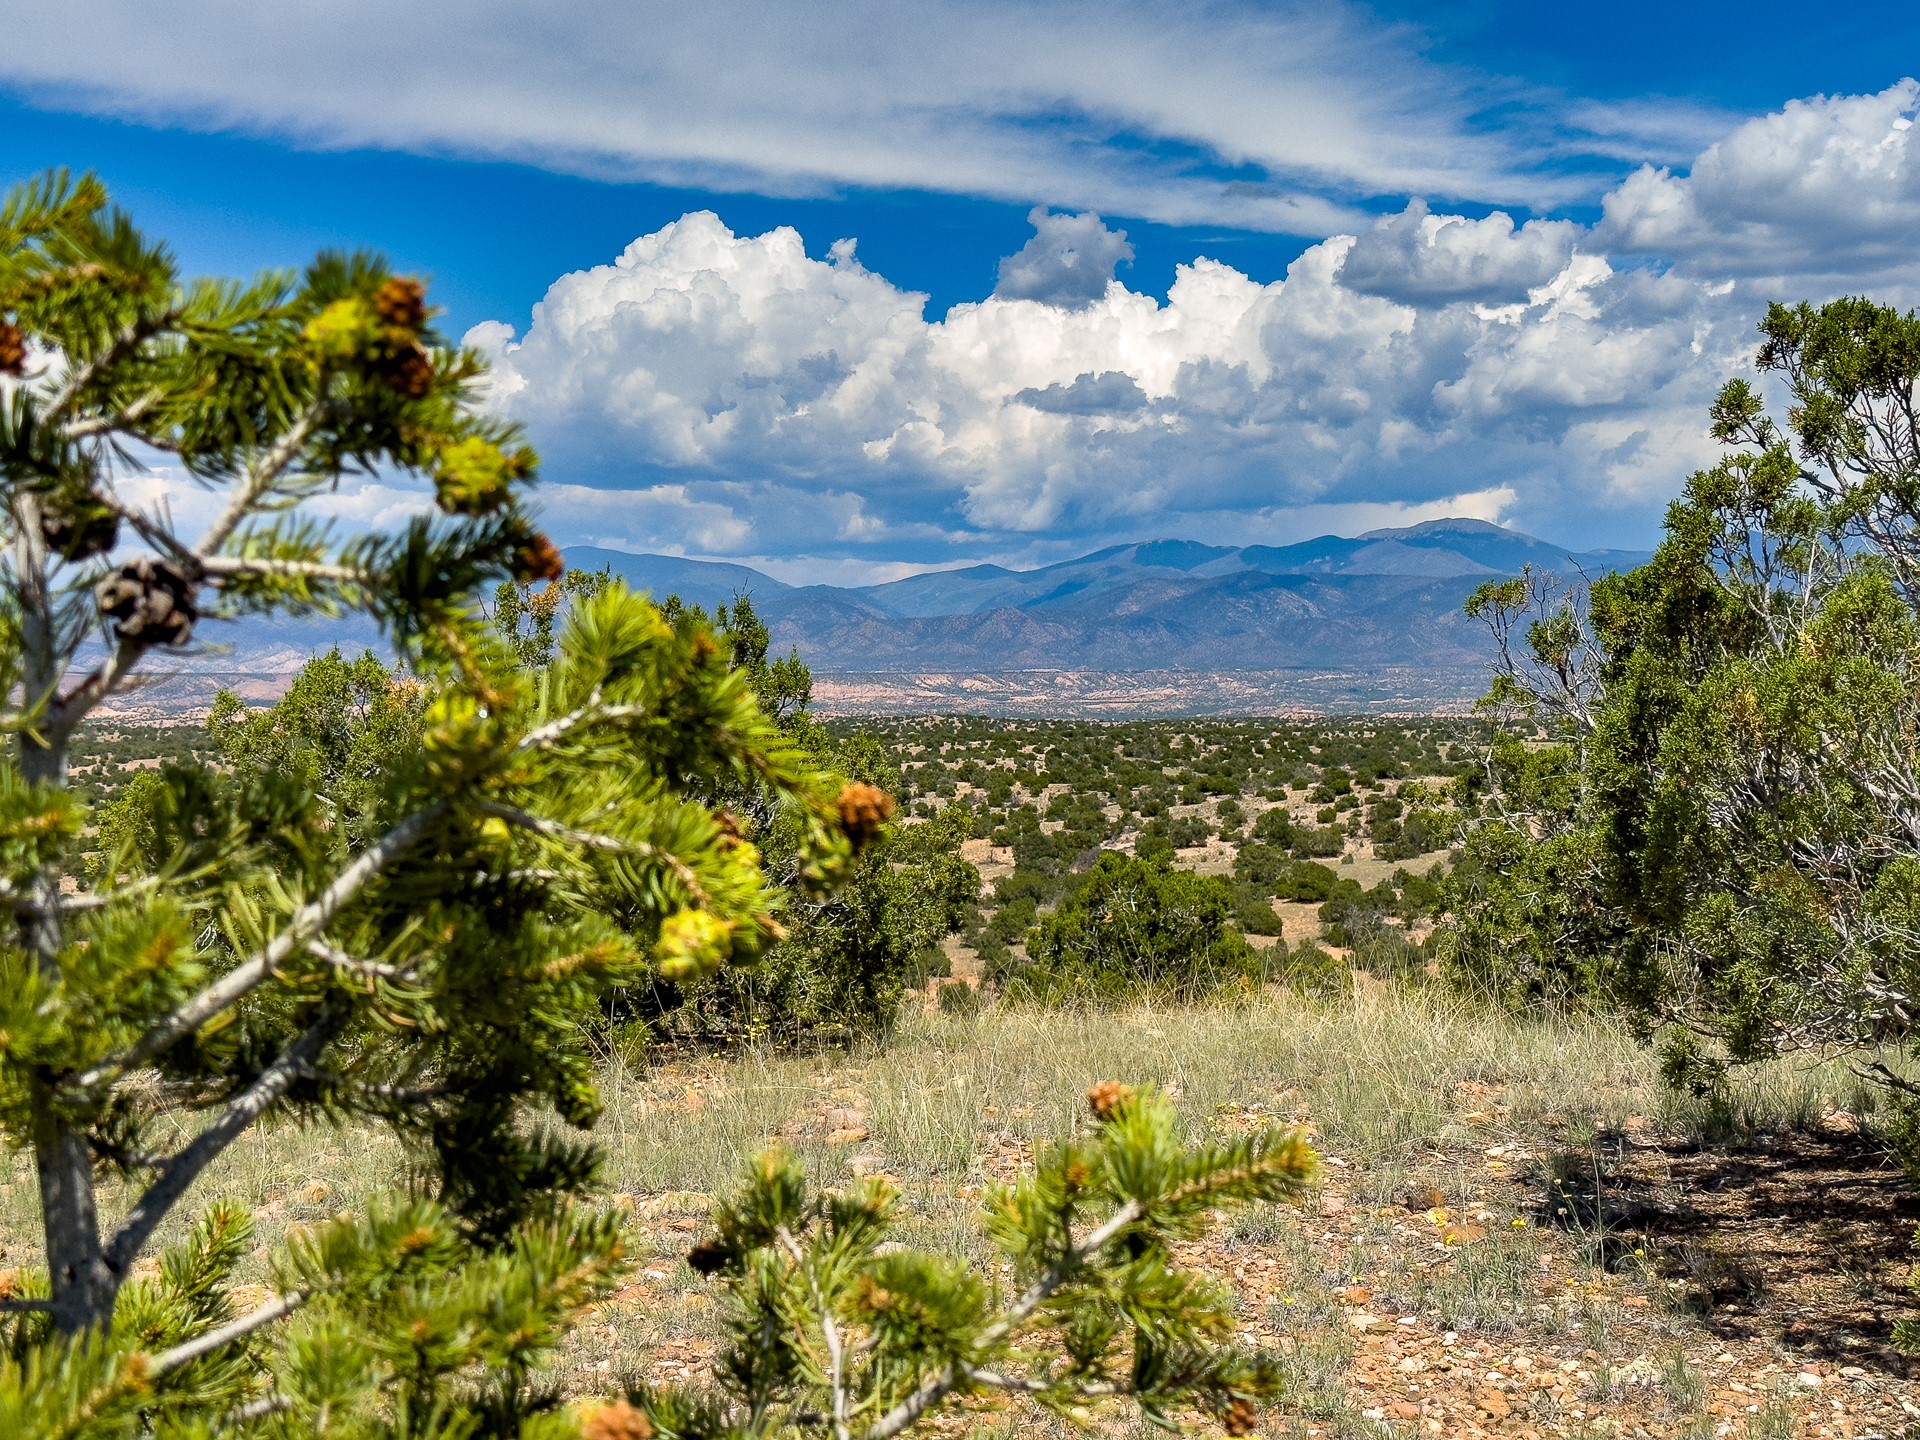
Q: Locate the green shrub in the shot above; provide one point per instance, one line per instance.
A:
(1308, 883)
(1321, 842)
(1261, 865)
(1275, 826)
(957, 997)
(1134, 926)
(1308, 969)
(1232, 818)
(1253, 911)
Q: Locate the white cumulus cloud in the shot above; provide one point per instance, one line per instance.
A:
(1419, 257)
(734, 388)
(1070, 260)
(1825, 187)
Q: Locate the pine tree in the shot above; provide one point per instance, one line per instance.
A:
(407, 930)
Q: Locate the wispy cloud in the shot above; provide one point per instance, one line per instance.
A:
(1280, 117)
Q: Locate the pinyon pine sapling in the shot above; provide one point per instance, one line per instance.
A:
(413, 938)
(832, 1326)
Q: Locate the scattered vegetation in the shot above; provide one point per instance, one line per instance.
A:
(575, 897)
(406, 903)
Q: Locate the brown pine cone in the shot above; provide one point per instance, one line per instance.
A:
(409, 371)
(1240, 1418)
(149, 601)
(536, 558)
(402, 302)
(81, 530)
(13, 349)
(863, 810)
(1109, 1098)
(709, 1257)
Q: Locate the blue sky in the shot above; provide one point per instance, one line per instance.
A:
(1379, 263)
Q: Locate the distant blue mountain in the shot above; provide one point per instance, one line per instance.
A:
(705, 583)
(1382, 598)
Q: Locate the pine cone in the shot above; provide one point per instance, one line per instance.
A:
(149, 601)
(709, 1257)
(81, 530)
(1108, 1099)
(1240, 1418)
(401, 302)
(536, 558)
(618, 1421)
(863, 810)
(13, 349)
(407, 370)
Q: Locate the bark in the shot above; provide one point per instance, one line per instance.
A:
(83, 1285)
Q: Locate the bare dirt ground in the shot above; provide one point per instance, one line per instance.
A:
(1495, 1249)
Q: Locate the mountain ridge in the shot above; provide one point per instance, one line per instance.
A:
(1388, 597)
(1346, 617)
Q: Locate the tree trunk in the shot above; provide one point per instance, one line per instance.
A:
(83, 1284)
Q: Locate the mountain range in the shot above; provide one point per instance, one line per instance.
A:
(1159, 627)
(1385, 598)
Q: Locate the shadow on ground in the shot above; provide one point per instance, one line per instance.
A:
(1806, 1239)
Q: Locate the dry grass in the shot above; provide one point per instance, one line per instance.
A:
(1423, 1106)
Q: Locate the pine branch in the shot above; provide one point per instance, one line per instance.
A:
(76, 904)
(556, 730)
(244, 978)
(592, 840)
(259, 1409)
(555, 830)
(222, 567)
(177, 1174)
(187, 1351)
(105, 678)
(340, 960)
(938, 1386)
(122, 345)
(124, 418)
(829, 1331)
(259, 479)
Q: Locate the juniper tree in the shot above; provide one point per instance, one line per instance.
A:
(1131, 926)
(1707, 787)
(410, 935)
